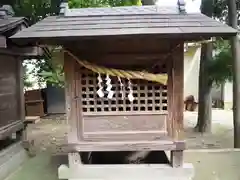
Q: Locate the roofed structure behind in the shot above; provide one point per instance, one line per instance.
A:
(9, 26)
(9, 23)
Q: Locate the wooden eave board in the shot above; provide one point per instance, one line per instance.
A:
(81, 23)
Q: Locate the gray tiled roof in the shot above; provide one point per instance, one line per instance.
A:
(122, 21)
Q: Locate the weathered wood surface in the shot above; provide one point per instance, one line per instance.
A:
(148, 96)
(124, 135)
(10, 23)
(32, 119)
(125, 123)
(33, 95)
(123, 46)
(71, 104)
(35, 108)
(119, 21)
(123, 53)
(175, 94)
(61, 36)
(165, 144)
(131, 25)
(20, 98)
(176, 102)
(101, 115)
(3, 42)
(9, 111)
(29, 52)
(7, 130)
(124, 19)
(122, 60)
(166, 20)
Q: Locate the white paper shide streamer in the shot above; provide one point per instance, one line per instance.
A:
(121, 87)
(130, 95)
(109, 87)
(100, 90)
(109, 90)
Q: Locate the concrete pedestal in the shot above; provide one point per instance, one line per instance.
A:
(126, 172)
(11, 159)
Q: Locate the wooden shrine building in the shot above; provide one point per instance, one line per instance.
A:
(12, 111)
(124, 82)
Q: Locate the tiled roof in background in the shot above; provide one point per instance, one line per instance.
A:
(8, 23)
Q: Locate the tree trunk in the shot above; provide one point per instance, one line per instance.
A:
(222, 95)
(148, 2)
(232, 16)
(204, 92)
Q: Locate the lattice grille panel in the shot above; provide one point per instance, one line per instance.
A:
(148, 96)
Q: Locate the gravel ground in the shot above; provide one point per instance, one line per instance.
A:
(51, 132)
(220, 137)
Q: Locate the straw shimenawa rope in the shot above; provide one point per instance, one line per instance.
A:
(160, 78)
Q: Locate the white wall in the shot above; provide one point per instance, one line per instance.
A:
(191, 71)
(228, 92)
(191, 75)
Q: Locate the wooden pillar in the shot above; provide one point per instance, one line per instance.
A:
(70, 95)
(71, 107)
(20, 97)
(176, 101)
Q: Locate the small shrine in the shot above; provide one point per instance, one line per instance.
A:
(124, 83)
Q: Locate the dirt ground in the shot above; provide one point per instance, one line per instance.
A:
(209, 162)
(51, 132)
(207, 166)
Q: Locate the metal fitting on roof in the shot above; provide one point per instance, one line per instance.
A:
(6, 10)
(3, 13)
(63, 7)
(181, 6)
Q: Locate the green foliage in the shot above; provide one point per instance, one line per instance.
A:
(27, 83)
(220, 67)
(53, 73)
(102, 3)
(36, 10)
(221, 9)
(54, 77)
(124, 2)
(87, 3)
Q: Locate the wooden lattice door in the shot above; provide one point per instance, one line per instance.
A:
(118, 118)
